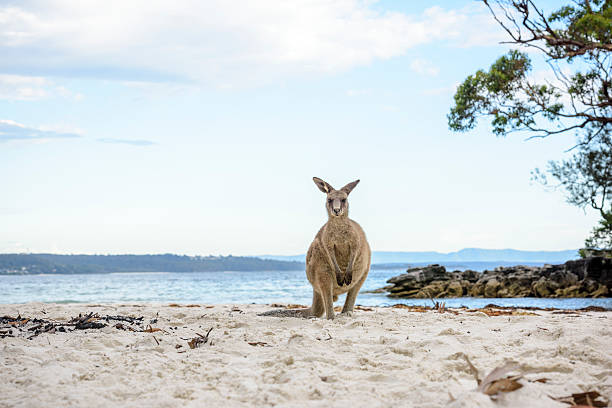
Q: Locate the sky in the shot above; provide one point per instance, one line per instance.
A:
(153, 127)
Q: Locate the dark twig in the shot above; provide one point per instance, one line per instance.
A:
(198, 341)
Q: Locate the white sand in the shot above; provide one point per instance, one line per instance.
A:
(379, 358)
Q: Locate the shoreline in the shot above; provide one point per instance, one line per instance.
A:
(460, 303)
(379, 357)
(407, 304)
(481, 266)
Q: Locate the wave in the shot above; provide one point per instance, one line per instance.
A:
(140, 273)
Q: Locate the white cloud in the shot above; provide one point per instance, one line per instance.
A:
(443, 90)
(17, 87)
(11, 130)
(424, 67)
(28, 88)
(14, 131)
(471, 26)
(216, 41)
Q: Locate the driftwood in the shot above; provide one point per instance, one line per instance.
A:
(87, 322)
(32, 327)
(128, 319)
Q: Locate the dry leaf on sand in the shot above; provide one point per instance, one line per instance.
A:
(583, 399)
(497, 380)
(259, 343)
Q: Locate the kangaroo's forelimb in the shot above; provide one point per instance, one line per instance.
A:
(333, 263)
(348, 275)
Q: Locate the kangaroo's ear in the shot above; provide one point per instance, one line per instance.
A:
(323, 185)
(349, 187)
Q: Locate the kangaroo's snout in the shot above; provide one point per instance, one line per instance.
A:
(336, 207)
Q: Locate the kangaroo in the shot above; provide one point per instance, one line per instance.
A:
(338, 260)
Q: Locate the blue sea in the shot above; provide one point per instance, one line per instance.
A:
(223, 287)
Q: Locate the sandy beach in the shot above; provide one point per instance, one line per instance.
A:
(379, 357)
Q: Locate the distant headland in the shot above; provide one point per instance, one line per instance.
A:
(28, 264)
(32, 264)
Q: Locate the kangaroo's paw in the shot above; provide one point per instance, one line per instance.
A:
(339, 278)
(348, 278)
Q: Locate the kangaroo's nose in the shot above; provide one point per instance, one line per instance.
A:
(337, 210)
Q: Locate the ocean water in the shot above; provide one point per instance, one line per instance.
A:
(223, 287)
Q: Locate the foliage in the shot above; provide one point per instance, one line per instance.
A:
(576, 40)
(508, 93)
(586, 176)
(587, 179)
(601, 236)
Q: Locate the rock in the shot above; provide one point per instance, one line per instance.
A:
(454, 289)
(572, 291)
(397, 289)
(477, 290)
(405, 293)
(403, 278)
(579, 278)
(564, 278)
(422, 294)
(421, 275)
(596, 268)
(589, 285)
(470, 276)
(465, 286)
(491, 287)
(601, 291)
(600, 270)
(435, 288)
(516, 289)
(379, 290)
(544, 287)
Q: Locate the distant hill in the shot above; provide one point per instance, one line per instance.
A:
(464, 255)
(73, 264)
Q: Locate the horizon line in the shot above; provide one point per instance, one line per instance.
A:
(278, 255)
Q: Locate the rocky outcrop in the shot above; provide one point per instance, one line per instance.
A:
(589, 277)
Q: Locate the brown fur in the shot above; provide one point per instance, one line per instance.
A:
(338, 260)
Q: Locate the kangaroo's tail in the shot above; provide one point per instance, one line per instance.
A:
(303, 313)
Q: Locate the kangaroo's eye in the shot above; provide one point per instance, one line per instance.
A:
(343, 200)
(330, 201)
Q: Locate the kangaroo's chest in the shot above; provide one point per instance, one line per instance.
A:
(342, 240)
(339, 234)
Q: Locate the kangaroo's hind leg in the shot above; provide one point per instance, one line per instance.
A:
(317, 307)
(328, 303)
(325, 286)
(351, 296)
